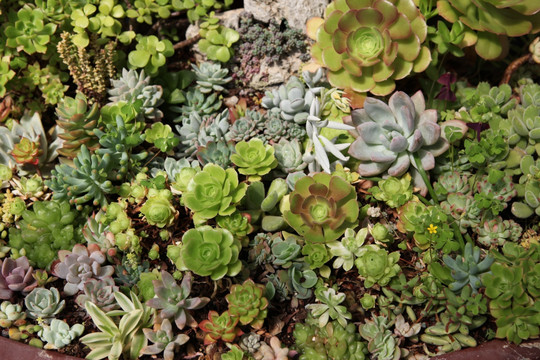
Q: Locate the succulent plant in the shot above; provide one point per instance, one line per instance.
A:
(448, 336)
(468, 269)
(285, 251)
(322, 207)
(158, 209)
(218, 153)
(50, 226)
(220, 327)
(289, 156)
(211, 77)
(330, 307)
(451, 182)
(30, 32)
(87, 181)
(212, 192)
(118, 141)
(133, 86)
(496, 231)
(315, 255)
(329, 342)
(179, 172)
(347, 249)
(119, 339)
(381, 341)
(31, 128)
(150, 53)
(59, 334)
(393, 191)
(16, 276)
(376, 265)
(29, 187)
(390, 137)
(298, 280)
(463, 209)
(163, 341)
(99, 292)
(253, 158)
(11, 314)
(79, 265)
(237, 223)
(216, 40)
(249, 126)
(197, 131)
(173, 300)
(162, 137)
(95, 232)
(294, 99)
(465, 307)
(248, 304)
(26, 152)
(367, 46)
(78, 119)
(199, 103)
(490, 20)
(44, 303)
(211, 252)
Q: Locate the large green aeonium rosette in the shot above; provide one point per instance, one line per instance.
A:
(212, 192)
(322, 207)
(211, 252)
(368, 44)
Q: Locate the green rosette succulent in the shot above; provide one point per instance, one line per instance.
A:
(30, 32)
(322, 207)
(493, 21)
(158, 209)
(367, 45)
(389, 138)
(237, 223)
(393, 191)
(211, 252)
(248, 304)
(376, 265)
(316, 255)
(253, 158)
(212, 192)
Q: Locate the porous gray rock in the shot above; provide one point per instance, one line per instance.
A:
(297, 12)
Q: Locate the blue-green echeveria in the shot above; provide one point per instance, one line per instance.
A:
(389, 137)
(322, 207)
(367, 45)
(212, 192)
(211, 252)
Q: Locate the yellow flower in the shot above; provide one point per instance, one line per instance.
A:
(432, 229)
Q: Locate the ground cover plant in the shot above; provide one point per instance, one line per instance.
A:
(381, 203)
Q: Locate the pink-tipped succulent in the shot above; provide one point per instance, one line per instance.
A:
(367, 45)
(16, 276)
(79, 265)
(220, 327)
(389, 137)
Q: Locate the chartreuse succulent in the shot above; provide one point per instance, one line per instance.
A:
(212, 192)
(469, 268)
(253, 158)
(368, 45)
(50, 226)
(158, 209)
(150, 53)
(173, 301)
(44, 303)
(489, 23)
(163, 341)
(449, 336)
(390, 138)
(216, 40)
(211, 252)
(248, 304)
(322, 207)
(395, 192)
(162, 137)
(123, 339)
(332, 341)
(30, 32)
(376, 265)
(220, 327)
(330, 307)
(59, 334)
